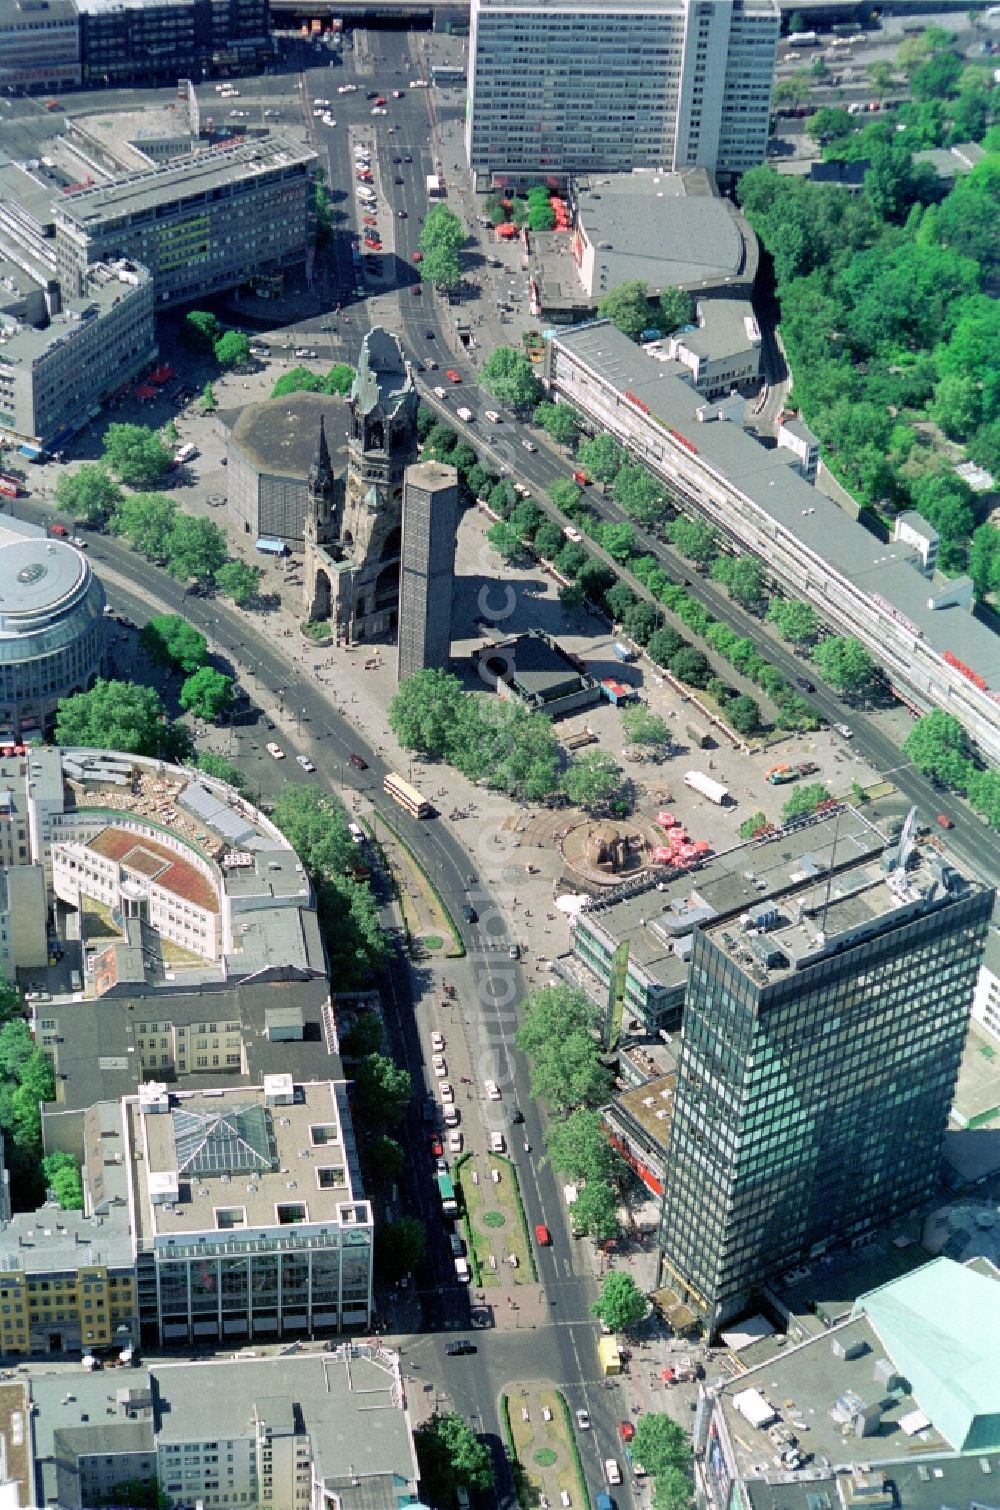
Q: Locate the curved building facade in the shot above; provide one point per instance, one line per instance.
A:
(51, 628)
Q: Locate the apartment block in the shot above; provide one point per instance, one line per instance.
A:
(39, 45)
(140, 40)
(561, 86)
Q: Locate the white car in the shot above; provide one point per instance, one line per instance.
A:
(380, 110)
(81, 545)
(447, 1094)
(492, 1091)
(452, 1116)
(346, 88)
(418, 83)
(323, 104)
(583, 1420)
(844, 730)
(275, 751)
(497, 1144)
(455, 1141)
(437, 1042)
(304, 762)
(328, 120)
(439, 1066)
(612, 1472)
(440, 393)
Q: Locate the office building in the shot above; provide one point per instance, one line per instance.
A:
(306, 1432)
(51, 628)
(430, 519)
(823, 1032)
(54, 379)
(39, 45)
(935, 652)
(895, 1406)
(986, 1002)
(200, 224)
(250, 1220)
(564, 86)
(354, 525)
(22, 913)
(126, 41)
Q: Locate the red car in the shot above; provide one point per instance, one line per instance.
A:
(370, 241)
(543, 1236)
(437, 1147)
(627, 1431)
(452, 375)
(370, 220)
(58, 529)
(379, 100)
(418, 256)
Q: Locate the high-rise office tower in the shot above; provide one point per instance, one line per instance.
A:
(823, 1030)
(430, 518)
(562, 86)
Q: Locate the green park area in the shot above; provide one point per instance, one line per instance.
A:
(495, 1226)
(542, 1448)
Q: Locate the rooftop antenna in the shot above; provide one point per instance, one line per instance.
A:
(829, 876)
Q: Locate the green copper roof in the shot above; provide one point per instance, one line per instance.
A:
(940, 1326)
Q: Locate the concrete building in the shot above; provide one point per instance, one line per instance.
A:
(986, 1001)
(354, 525)
(51, 628)
(136, 41)
(668, 230)
(894, 1406)
(23, 944)
(721, 350)
(270, 449)
(427, 579)
(300, 1432)
(39, 46)
(795, 435)
(912, 528)
(822, 1037)
(54, 379)
(250, 1219)
(934, 651)
(200, 224)
(535, 671)
(564, 86)
(655, 919)
(67, 1283)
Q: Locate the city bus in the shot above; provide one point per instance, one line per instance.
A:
(407, 796)
(446, 1190)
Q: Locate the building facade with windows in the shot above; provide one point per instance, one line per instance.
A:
(306, 1432)
(823, 1032)
(562, 86)
(248, 1211)
(200, 224)
(54, 379)
(52, 640)
(132, 40)
(427, 577)
(39, 45)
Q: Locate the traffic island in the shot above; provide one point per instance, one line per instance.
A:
(538, 1436)
(496, 1230)
(429, 924)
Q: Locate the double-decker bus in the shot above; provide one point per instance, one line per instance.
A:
(407, 796)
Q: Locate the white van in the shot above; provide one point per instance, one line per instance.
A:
(356, 833)
(462, 1270)
(186, 453)
(464, 413)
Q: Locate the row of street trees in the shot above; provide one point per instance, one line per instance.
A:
(557, 1034)
(191, 549)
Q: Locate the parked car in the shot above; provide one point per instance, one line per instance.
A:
(358, 763)
(447, 1093)
(437, 1042)
(497, 1144)
(492, 1090)
(460, 1348)
(275, 751)
(304, 762)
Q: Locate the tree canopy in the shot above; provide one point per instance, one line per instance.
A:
(232, 349)
(90, 494)
(135, 453)
(171, 641)
(621, 1305)
(510, 377)
(593, 780)
(113, 716)
(844, 662)
(207, 693)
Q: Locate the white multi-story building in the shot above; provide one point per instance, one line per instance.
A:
(986, 1002)
(559, 86)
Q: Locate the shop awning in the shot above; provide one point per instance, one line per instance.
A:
(32, 452)
(145, 391)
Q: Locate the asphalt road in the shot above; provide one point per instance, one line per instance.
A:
(561, 1348)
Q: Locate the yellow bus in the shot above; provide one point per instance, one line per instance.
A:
(407, 796)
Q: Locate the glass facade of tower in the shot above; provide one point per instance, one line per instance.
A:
(811, 1103)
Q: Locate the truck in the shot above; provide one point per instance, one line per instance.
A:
(700, 738)
(446, 1190)
(622, 652)
(713, 790)
(803, 39)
